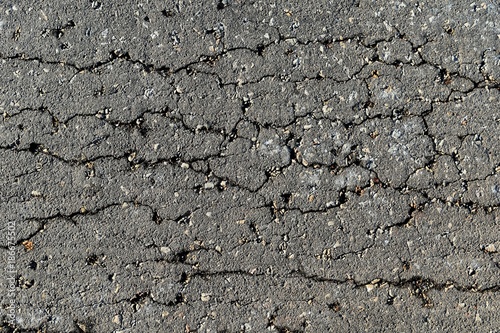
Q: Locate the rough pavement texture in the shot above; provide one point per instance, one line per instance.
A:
(242, 166)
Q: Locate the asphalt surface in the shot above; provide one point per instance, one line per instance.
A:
(250, 166)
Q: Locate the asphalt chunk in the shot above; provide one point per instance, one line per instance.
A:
(244, 166)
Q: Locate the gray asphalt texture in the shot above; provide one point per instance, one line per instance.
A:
(250, 166)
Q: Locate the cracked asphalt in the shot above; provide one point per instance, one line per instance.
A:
(250, 166)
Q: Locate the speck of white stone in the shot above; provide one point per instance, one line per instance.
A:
(490, 248)
(387, 26)
(117, 319)
(184, 165)
(165, 250)
(396, 134)
(44, 16)
(327, 109)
